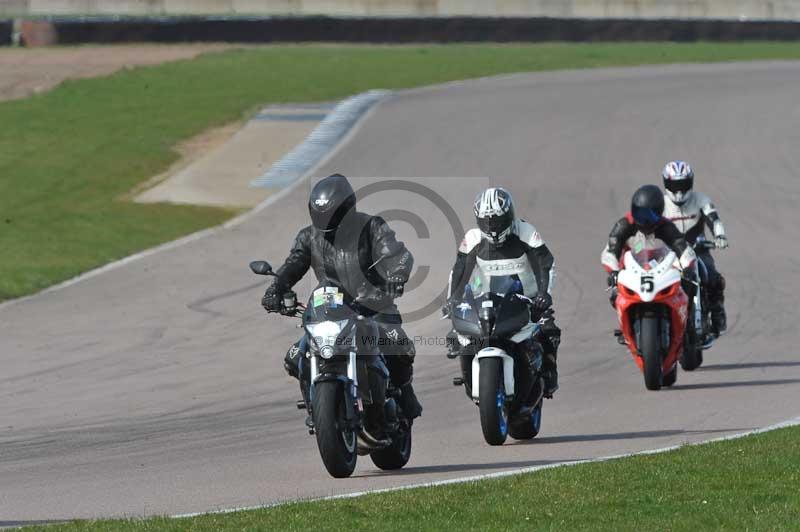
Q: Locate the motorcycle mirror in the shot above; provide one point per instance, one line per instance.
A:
(261, 267)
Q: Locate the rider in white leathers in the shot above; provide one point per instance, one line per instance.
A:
(504, 243)
(692, 212)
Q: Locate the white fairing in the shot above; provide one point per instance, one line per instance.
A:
(648, 283)
(508, 370)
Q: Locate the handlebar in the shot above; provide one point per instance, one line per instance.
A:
(704, 244)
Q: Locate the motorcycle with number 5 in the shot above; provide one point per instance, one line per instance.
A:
(353, 409)
(653, 311)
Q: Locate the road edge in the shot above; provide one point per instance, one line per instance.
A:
(499, 474)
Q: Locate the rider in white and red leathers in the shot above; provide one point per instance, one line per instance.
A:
(503, 242)
(692, 212)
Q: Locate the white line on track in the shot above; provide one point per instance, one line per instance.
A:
(499, 474)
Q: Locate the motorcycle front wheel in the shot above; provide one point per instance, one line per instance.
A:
(649, 348)
(336, 442)
(492, 402)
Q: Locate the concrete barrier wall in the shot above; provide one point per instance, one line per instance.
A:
(399, 30)
(703, 9)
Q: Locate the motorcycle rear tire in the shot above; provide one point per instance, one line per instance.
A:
(396, 455)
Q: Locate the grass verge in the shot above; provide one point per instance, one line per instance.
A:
(69, 155)
(751, 483)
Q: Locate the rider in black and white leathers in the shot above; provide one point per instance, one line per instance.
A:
(692, 212)
(523, 253)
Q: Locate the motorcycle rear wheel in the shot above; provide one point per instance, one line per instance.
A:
(396, 455)
(527, 429)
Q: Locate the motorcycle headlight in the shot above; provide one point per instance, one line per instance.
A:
(326, 351)
(324, 337)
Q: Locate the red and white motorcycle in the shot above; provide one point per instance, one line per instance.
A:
(653, 310)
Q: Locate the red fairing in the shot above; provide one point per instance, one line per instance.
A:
(676, 300)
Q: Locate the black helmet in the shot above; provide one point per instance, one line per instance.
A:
(647, 206)
(331, 199)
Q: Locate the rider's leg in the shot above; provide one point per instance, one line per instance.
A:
(550, 338)
(716, 293)
(399, 352)
(294, 361)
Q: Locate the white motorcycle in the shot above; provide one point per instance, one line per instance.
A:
(492, 321)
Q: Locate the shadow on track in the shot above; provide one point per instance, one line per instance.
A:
(751, 365)
(712, 385)
(455, 468)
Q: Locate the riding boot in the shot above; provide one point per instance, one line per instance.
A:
(550, 374)
(409, 402)
(719, 319)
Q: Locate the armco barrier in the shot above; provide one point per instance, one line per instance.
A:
(407, 30)
(6, 29)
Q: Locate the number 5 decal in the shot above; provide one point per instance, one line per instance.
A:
(647, 284)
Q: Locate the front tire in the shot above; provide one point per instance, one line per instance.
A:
(337, 443)
(649, 347)
(492, 399)
(396, 455)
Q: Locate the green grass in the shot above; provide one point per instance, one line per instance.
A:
(69, 155)
(747, 484)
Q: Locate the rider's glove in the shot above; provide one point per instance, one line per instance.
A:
(273, 298)
(542, 301)
(395, 286)
(721, 241)
(612, 279)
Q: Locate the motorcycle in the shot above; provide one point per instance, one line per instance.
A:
(353, 409)
(699, 334)
(493, 325)
(653, 311)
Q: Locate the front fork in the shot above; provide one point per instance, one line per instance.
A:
(350, 385)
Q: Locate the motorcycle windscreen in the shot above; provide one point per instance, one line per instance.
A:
(649, 258)
(327, 303)
(480, 283)
(499, 291)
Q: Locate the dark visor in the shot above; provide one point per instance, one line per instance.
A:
(494, 224)
(678, 185)
(645, 217)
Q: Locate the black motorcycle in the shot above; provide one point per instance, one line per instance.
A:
(699, 335)
(501, 361)
(352, 406)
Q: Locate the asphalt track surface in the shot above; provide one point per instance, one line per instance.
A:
(157, 388)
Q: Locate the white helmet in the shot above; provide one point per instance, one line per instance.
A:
(678, 181)
(494, 211)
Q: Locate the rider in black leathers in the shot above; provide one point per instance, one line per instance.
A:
(359, 253)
